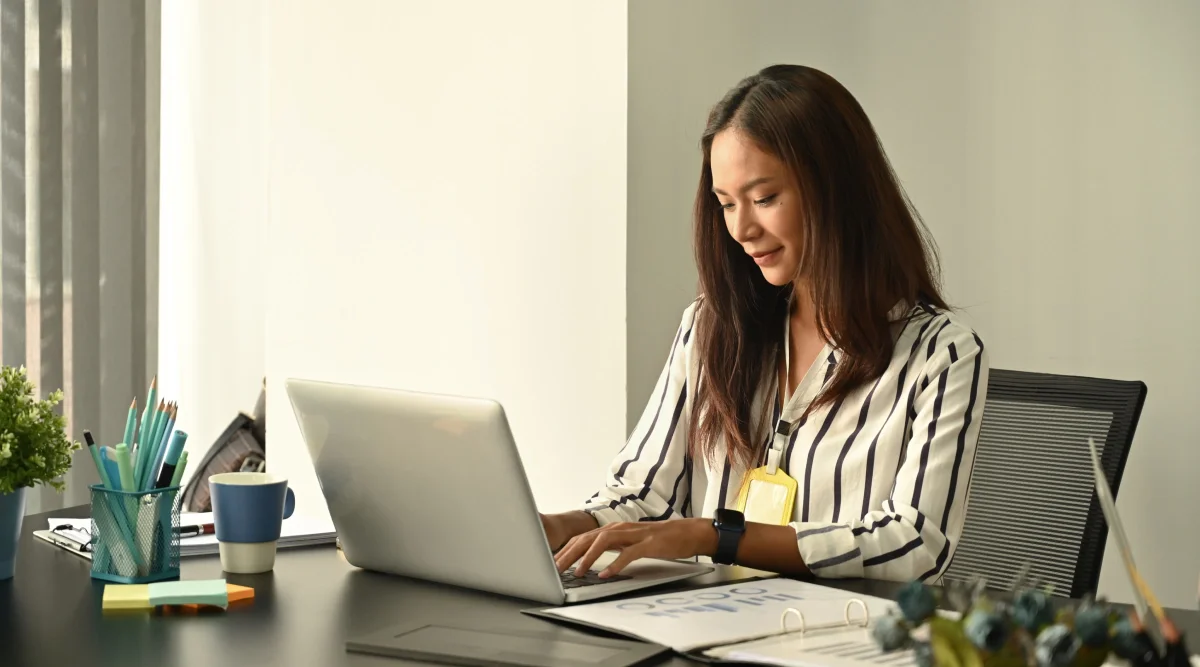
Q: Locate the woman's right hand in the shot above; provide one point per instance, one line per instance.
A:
(562, 527)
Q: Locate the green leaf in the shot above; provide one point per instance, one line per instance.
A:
(34, 447)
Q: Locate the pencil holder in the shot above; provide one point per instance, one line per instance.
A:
(135, 535)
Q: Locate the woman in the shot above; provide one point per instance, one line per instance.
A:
(821, 334)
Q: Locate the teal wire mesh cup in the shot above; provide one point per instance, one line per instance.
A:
(135, 535)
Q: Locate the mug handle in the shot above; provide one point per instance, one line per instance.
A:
(289, 503)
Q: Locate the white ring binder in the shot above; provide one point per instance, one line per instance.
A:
(865, 621)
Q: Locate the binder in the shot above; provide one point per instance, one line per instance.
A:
(774, 622)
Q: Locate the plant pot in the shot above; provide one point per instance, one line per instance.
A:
(12, 511)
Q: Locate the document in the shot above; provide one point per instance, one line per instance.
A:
(723, 615)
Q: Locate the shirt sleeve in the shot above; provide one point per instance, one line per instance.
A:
(648, 480)
(912, 536)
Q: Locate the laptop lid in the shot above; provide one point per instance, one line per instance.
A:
(426, 485)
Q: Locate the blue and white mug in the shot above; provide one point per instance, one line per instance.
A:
(248, 513)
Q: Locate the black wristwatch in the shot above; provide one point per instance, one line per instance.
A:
(730, 525)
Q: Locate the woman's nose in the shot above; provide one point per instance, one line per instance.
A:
(742, 223)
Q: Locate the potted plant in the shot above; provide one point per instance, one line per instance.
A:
(34, 449)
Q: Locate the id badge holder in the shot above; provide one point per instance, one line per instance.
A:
(768, 494)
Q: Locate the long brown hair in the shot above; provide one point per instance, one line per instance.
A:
(865, 251)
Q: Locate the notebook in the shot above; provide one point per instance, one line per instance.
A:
(74, 534)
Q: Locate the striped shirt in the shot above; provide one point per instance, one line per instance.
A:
(882, 474)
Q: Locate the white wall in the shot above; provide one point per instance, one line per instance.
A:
(447, 213)
(213, 212)
(1052, 149)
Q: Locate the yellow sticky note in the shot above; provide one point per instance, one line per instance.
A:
(126, 596)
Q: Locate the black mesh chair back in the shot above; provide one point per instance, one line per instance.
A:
(1031, 497)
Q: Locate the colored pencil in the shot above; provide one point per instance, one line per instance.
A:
(131, 423)
(160, 448)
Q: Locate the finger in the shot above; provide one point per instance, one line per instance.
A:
(627, 556)
(614, 539)
(578, 545)
(574, 548)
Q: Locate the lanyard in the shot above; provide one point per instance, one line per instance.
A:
(783, 427)
(788, 413)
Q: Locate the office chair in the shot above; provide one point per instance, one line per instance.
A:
(1031, 497)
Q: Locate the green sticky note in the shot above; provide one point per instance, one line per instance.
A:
(207, 592)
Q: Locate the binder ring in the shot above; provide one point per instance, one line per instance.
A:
(866, 620)
(783, 627)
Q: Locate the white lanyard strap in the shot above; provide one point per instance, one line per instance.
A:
(783, 428)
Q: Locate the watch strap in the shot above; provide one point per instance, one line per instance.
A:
(727, 545)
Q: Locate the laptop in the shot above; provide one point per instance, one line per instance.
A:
(432, 487)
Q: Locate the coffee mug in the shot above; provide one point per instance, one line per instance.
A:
(248, 513)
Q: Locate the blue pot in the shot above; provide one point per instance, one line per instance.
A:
(12, 511)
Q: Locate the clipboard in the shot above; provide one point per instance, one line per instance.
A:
(66, 542)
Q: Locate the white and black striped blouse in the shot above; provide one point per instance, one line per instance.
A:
(882, 475)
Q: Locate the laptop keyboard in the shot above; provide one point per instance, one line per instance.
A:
(591, 578)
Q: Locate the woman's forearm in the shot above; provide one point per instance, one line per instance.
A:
(771, 548)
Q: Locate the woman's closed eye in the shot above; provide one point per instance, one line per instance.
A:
(765, 200)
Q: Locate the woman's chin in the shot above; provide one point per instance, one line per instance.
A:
(777, 277)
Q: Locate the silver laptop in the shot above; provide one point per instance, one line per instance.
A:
(432, 487)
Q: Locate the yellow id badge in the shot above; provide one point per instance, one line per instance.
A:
(768, 494)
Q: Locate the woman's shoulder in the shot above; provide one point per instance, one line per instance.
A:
(945, 334)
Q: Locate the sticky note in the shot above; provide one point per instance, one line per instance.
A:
(237, 593)
(126, 596)
(206, 592)
(238, 596)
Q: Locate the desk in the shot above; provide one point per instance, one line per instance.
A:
(302, 614)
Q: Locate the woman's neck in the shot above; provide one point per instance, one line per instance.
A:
(802, 314)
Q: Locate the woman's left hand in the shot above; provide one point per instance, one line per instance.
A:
(675, 538)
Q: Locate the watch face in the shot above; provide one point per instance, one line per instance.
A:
(727, 518)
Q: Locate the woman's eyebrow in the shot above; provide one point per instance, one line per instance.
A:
(758, 181)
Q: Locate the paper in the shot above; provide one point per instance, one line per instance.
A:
(126, 596)
(207, 592)
(724, 614)
(297, 531)
(852, 647)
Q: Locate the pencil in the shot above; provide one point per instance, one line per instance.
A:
(147, 416)
(146, 450)
(131, 423)
(160, 447)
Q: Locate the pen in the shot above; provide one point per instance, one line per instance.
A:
(126, 470)
(178, 475)
(108, 457)
(95, 452)
(171, 459)
(193, 531)
(68, 543)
